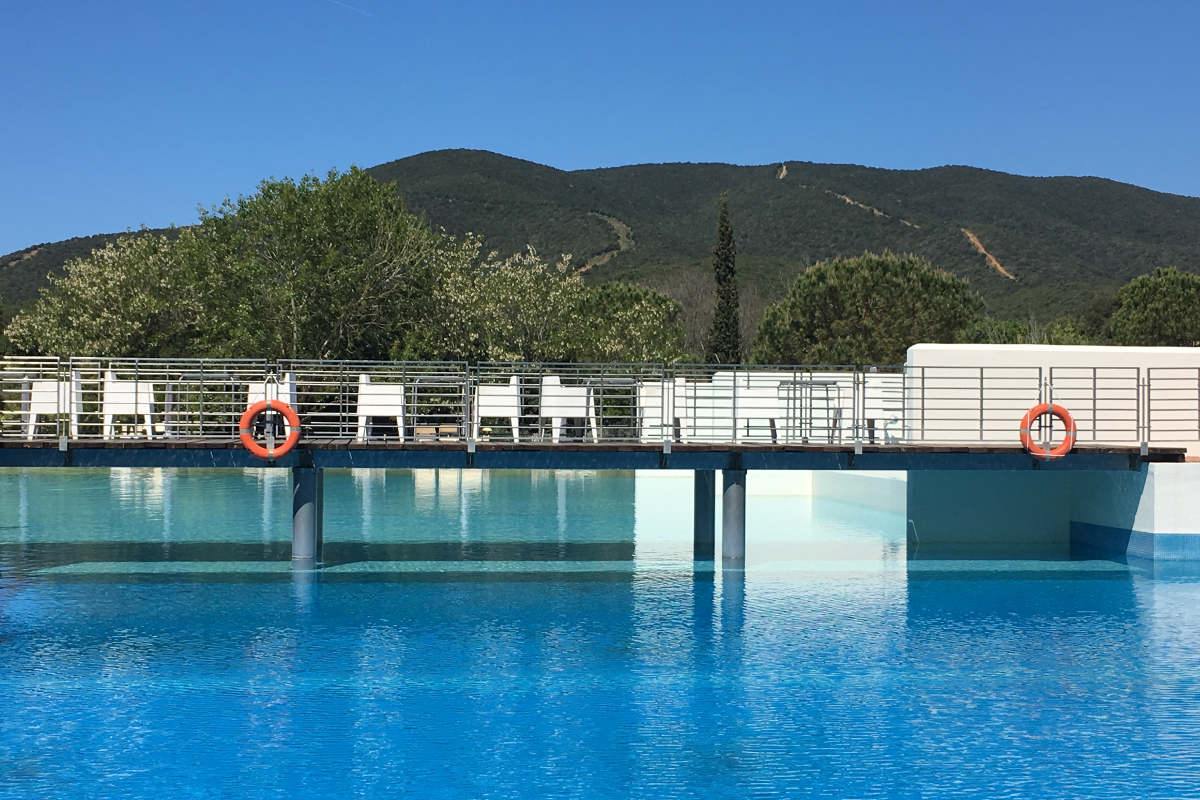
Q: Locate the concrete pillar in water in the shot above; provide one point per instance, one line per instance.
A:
(704, 516)
(307, 506)
(733, 518)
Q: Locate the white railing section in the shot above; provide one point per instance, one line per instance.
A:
(402, 402)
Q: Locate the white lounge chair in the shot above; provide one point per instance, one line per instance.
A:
(284, 389)
(50, 398)
(653, 402)
(125, 398)
(708, 406)
(379, 400)
(566, 402)
(756, 398)
(499, 400)
(662, 410)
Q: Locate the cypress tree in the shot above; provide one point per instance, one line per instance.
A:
(725, 342)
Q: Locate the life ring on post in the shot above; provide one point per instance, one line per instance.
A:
(1035, 449)
(245, 426)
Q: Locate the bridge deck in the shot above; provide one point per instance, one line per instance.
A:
(349, 453)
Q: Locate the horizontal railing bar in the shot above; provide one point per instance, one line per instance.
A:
(110, 397)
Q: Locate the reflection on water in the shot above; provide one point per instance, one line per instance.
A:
(517, 634)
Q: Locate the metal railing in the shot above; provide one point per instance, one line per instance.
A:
(373, 401)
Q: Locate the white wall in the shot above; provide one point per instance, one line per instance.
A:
(883, 490)
(1098, 385)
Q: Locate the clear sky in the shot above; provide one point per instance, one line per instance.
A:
(126, 113)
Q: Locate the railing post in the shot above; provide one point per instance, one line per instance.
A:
(468, 410)
(734, 409)
(981, 404)
(922, 403)
(1095, 394)
(1048, 440)
(1144, 409)
(666, 403)
(858, 379)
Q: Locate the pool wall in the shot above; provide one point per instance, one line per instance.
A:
(1151, 513)
(883, 490)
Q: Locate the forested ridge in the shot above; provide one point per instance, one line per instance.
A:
(1064, 241)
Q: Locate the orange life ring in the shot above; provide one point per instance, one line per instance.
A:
(1037, 450)
(244, 428)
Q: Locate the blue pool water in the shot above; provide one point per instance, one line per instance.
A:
(545, 635)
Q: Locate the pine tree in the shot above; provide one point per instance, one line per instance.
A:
(725, 342)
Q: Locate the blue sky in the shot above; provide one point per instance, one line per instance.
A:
(129, 113)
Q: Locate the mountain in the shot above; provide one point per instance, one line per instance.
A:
(1031, 246)
(1037, 247)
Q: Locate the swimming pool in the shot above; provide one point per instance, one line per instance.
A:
(545, 634)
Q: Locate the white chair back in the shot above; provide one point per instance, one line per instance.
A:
(283, 389)
(127, 398)
(499, 400)
(559, 402)
(379, 400)
(52, 397)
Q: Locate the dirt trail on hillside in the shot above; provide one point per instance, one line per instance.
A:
(991, 260)
(624, 242)
(872, 209)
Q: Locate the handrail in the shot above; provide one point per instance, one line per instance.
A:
(197, 398)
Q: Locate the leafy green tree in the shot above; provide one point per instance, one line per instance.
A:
(337, 269)
(725, 341)
(1158, 309)
(521, 308)
(130, 297)
(1094, 320)
(865, 310)
(1064, 330)
(308, 269)
(624, 322)
(518, 308)
(319, 269)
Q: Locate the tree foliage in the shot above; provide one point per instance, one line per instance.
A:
(130, 296)
(308, 269)
(1161, 308)
(521, 308)
(1062, 331)
(865, 310)
(630, 323)
(725, 340)
(336, 269)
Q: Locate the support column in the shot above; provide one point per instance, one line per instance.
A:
(307, 533)
(704, 516)
(733, 518)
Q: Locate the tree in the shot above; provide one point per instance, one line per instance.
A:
(865, 310)
(725, 341)
(129, 297)
(624, 322)
(1064, 330)
(319, 269)
(337, 269)
(521, 308)
(1158, 309)
(304, 269)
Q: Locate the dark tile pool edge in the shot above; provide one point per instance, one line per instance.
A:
(1110, 542)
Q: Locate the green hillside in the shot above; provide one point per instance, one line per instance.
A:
(1062, 240)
